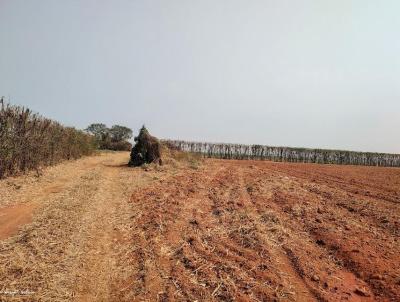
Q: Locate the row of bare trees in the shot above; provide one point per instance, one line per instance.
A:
(29, 141)
(287, 154)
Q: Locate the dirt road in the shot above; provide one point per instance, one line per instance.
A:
(65, 235)
(221, 231)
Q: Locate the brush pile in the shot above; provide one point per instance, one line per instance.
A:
(146, 150)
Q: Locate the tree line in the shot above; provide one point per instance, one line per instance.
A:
(29, 141)
(286, 154)
(114, 138)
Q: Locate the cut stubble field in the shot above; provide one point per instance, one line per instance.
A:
(97, 230)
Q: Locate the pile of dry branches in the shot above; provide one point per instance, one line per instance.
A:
(146, 150)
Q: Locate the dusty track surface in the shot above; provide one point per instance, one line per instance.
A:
(74, 238)
(223, 231)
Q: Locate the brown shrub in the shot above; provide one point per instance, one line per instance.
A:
(116, 146)
(29, 141)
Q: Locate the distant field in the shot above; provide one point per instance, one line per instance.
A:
(210, 230)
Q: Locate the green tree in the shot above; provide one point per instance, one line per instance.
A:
(100, 131)
(120, 133)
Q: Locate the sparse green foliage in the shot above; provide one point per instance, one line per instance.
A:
(114, 138)
(120, 133)
(100, 131)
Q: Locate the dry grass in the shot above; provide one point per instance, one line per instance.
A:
(224, 231)
(78, 245)
(177, 158)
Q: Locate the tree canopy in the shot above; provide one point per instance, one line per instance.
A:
(98, 130)
(114, 138)
(120, 133)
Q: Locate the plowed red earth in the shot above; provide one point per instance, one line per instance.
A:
(262, 231)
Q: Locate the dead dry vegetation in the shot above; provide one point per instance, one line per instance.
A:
(202, 230)
(260, 231)
(29, 141)
(66, 235)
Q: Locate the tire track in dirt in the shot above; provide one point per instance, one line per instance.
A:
(77, 246)
(13, 217)
(105, 220)
(21, 196)
(40, 257)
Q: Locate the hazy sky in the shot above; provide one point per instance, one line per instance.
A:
(312, 73)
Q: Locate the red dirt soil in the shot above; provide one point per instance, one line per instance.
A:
(12, 218)
(262, 231)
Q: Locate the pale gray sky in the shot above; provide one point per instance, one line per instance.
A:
(312, 73)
